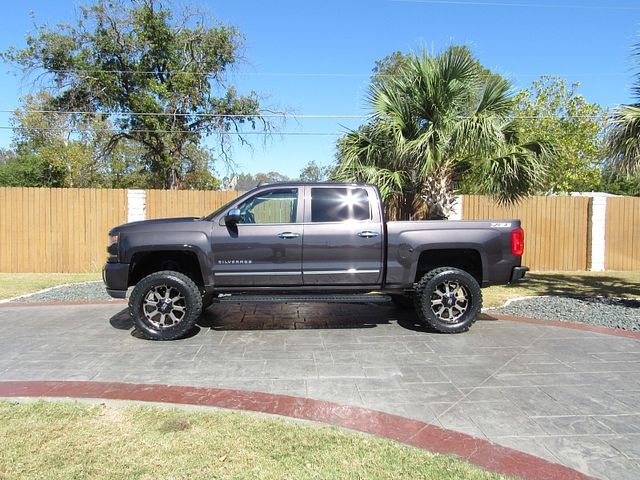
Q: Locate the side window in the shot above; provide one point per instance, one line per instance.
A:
(339, 204)
(271, 206)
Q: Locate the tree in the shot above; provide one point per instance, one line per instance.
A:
(159, 79)
(49, 151)
(623, 137)
(438, 123)
(247, 181)
(312, 172)
(6, 156)
(552, 111)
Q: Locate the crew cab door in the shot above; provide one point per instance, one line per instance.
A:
(343, 236)
(265, 247)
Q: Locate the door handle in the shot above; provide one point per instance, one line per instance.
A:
(287, 235)
(368, 234)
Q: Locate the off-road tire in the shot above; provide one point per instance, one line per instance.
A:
(192, 305)
(426, 293)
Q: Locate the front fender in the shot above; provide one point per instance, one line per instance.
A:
(183, 241)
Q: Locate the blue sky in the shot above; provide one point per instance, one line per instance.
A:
(315, 57)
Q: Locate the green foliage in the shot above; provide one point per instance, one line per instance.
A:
(247, 181)
(437, 123)
(620, 184)
(312, 172)
(552, 111)
(159, 79)
(623, 138)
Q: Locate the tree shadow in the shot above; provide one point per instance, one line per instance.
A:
(581, 285)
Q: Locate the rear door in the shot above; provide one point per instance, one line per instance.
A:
(265, 247)
(343, 236)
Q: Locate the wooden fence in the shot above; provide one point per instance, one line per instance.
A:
(57, 230)
(65, 230)
(556, 228)
(622, 234)
(185, 203)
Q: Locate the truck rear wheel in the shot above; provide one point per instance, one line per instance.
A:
(165, 305)
(448, 300)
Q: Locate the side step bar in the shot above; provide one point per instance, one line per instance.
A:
(369, 298)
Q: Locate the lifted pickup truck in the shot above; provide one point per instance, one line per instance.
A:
(308, 242)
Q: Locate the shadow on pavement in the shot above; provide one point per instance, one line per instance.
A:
(293, 316)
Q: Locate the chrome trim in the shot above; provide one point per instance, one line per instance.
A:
(333, 272)
(251, 274)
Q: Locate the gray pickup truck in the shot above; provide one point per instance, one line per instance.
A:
(308, 242)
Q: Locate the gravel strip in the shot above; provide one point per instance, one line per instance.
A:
(604, 312)
(88, 291)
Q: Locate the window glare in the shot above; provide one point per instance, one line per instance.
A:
(339, 204)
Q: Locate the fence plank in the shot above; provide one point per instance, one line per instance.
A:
(621, 234)
(185, 203)
(57, 230)
(556, 228)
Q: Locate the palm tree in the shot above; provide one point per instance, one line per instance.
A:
(623, 139)
(438, 121)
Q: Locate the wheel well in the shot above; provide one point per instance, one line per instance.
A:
(146, 263)
(465, 259)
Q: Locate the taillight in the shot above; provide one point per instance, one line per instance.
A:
(517, 241)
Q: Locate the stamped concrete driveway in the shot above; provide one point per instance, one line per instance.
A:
(569, 396)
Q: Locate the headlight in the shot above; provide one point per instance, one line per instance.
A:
(112, 239)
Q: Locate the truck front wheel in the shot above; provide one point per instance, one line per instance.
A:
(165, 305)
(448, 300)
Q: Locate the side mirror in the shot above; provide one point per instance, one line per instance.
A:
(232, 217)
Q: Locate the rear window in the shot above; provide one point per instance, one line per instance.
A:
(339, 204)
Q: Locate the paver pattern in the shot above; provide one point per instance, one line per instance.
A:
(569, 396)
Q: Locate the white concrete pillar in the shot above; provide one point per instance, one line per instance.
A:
(137, 205)
(456, 212)
(598, 227)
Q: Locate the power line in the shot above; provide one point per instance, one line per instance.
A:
(523, 5)
(112, 130)
(283, 116)
(207, 115)
(329, 74)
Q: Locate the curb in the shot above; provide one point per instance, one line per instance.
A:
(481, 453)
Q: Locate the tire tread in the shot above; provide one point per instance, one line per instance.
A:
(182, 327)
(419, 299)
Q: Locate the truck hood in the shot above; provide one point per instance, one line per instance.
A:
(156, 224)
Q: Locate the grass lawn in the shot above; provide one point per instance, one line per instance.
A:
(609, 284)
(74, 440)
(14, 284)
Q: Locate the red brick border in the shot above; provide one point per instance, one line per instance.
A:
(616, 332)
(479, 452)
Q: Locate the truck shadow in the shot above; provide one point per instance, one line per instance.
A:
(291, 316)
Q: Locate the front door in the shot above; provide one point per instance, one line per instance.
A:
(343, 237)
(265, 247)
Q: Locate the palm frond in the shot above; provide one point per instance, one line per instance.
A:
(623, 140)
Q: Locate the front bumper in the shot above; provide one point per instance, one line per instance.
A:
(115, 277)
(518, 273)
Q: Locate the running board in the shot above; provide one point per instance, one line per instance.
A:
(370, 298)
